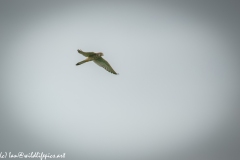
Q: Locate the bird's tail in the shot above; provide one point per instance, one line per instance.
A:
(79, 63)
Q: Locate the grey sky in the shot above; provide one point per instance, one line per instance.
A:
(177, 95)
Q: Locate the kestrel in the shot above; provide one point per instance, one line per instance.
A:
(97, 58)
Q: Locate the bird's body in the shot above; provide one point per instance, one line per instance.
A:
(97, 58)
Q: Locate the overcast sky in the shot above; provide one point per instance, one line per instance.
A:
(176, 96)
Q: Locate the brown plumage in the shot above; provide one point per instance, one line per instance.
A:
(97, 58)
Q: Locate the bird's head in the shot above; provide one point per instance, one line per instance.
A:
(100, 54)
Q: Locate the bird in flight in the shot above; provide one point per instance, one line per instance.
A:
(97, 58)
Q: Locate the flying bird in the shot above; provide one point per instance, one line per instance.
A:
(97, 58)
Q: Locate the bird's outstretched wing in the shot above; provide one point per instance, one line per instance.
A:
(103, 63)
(86, 54)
